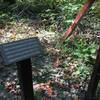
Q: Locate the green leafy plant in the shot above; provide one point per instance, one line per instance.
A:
(79, 48)
(82, 71)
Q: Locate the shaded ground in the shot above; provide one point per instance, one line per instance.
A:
(48, 82)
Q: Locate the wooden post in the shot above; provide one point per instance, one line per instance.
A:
(95, 77)
(25, 79)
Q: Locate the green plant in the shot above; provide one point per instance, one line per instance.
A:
(82, 70)
(79, 48)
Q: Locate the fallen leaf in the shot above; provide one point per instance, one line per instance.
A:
(56, 62)
(13, 36)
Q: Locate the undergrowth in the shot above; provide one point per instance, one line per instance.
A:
(83, 51)
(79, 48)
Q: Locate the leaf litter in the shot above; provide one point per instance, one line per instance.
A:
(51, 79)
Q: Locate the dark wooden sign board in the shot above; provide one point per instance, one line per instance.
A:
(20, 52)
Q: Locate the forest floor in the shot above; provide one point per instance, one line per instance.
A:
(50, 81)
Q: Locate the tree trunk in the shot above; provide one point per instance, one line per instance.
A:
(95, 77)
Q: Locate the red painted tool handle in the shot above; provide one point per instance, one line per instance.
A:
(80, 14)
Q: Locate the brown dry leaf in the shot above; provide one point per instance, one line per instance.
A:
(45, 87)
(13, 36)
(8, 86)
(56, 62)
(35, 71)
(69, 70)
(1, 31)
(45, 40)
(52, 50)
(71, 67)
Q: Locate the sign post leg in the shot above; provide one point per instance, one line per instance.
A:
(25, 78)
